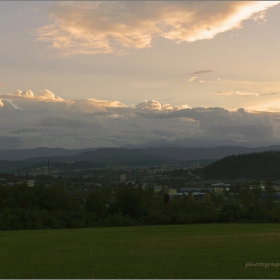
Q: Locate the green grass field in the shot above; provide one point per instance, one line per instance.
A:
(185, 251)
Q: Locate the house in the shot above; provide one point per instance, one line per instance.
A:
(30, 183)
(171, 191)
(217, 190)
(197, 196)
(264, 196)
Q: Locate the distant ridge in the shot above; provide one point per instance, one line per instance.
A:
(198, 143)
(167, 154)
(38, 152)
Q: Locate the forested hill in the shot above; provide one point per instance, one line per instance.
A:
(258, 166)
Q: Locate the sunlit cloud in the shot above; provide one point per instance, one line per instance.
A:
(28, 94)
(191, 79)
(155, 105)
(91, 103)
(201, 82)
(112, 27)
(264, 106)
(232, 92)
(111, 123)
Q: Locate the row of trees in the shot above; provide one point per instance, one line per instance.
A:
(250, 196)
(22, 207)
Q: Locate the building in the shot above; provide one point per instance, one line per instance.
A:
(30, 183)
(123, 177)
(196, 196)
(171, 191)
(264, 196)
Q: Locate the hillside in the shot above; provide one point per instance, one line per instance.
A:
(38, 152)
(263, 165)
(168, 154)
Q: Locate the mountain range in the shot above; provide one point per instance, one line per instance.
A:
(46, 152)
(122, 155)
(24, 154)
(198, 143)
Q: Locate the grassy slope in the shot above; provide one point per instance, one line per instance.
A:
(187, 251)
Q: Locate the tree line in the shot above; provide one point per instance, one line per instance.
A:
(23, 207)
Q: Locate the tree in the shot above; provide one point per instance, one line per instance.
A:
(245, 194)
(270, 190)
(96, 202)
(256, 193)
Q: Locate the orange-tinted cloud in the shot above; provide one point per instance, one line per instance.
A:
(232, 92)
(38, 119)
(191, 79)
(155, 105)
(111, 27)
(28, 94)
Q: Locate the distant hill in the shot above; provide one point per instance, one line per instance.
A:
(45, 152)
(167, 154)
(236, 162)
(259, 166)
(38, 152)
(11, 166)
(197, 143)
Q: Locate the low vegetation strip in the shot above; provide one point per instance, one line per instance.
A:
(22, 207)
(176, 251)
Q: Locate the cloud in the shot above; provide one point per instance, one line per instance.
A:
(232, 92)
(200, 72)
(9, 139)
(149, 105)
(45, 94)
(107, 123)
(166, 99)
(219, 123)
(155, 105)
(191, 79)
(201, 82)
(273, 93)
(28, 94)
(61, 122)
(112, 27)
(265, 106)
(24, 130)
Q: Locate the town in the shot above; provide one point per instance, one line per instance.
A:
(175, 180)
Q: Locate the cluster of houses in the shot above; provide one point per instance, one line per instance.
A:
(149, 169)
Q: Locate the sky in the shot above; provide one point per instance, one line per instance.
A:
(77, 74)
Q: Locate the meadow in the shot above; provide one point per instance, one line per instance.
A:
(177, 251)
